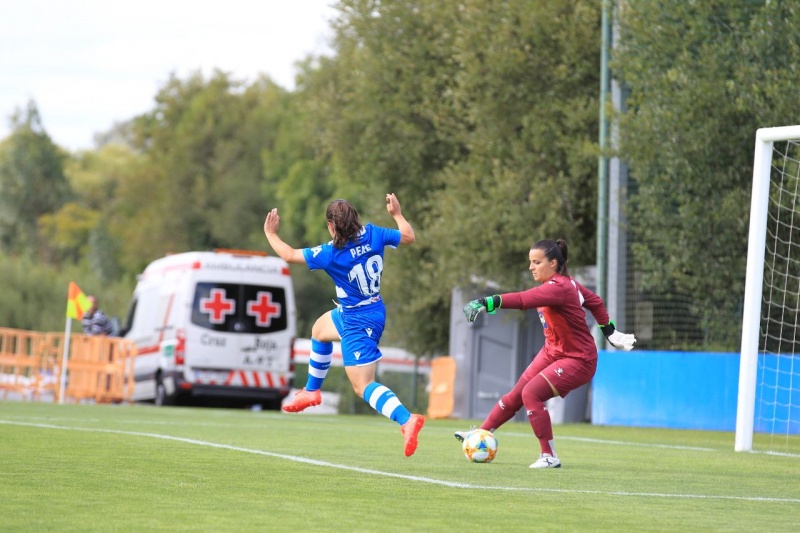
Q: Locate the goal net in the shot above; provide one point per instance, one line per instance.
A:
(769, 371)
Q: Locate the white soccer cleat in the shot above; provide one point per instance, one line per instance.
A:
(461, 435)
(546, 461)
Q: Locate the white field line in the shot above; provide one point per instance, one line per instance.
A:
(778, 454)
(647, 445)
(330, 420)
(284, 418)
(420, 479)
(654, 445)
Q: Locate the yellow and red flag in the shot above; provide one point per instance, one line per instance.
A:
(77, 302)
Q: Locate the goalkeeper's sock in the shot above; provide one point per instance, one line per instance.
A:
(539, 419)
(382, 399)
(501, 413)
(318, 363)
(536, 392)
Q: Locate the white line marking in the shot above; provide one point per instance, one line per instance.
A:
(621, 443)
(654, 445)
(779, 454)
(325, 420)
(644, 444)
(432, 481)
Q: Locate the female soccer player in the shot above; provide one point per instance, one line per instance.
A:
(354, 261)
(568, 358)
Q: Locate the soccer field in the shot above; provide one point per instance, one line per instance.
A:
(140, 468)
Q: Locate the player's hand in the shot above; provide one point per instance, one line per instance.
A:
(622, 341)
(474, 308)
(272, 222)
(392, 204)
(619, 340)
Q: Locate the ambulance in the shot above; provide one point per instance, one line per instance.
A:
(213, 327)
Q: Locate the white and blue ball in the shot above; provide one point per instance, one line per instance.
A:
(480, 446)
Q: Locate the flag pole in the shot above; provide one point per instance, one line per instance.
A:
(77, 305)
(64, 361)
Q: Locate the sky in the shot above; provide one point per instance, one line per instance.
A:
(91, 63)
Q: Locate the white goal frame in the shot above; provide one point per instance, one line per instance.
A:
(756, 253)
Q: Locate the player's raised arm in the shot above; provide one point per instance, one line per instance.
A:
(284, 251)
(406, 231)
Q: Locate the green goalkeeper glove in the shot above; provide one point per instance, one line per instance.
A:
(490, 303)
(619, 340)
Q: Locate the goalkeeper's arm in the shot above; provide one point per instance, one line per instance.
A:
(622, 341)
(474, 308)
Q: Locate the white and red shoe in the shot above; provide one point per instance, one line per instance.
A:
(546, 460)
(303, 399)
(410, 431)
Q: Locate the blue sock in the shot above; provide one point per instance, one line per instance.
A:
(318, 363)
(382, 399)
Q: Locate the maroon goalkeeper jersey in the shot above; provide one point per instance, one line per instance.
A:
(560, 302)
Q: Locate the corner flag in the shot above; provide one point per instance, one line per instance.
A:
(77, 305)
(77, 302)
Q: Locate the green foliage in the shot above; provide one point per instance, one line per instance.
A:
(65, 233)
(191, 137)
(34, 295)
(102, 181)
(481, 116)
(32, 181)
(703, 76)
(95, 176)
(135, 217)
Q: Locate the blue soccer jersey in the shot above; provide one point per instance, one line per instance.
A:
(355, 269)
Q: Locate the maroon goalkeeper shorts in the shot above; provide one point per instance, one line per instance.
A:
(565, 374)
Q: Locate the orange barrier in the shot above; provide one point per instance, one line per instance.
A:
(22, 368)
(442, 384)
(98, 368)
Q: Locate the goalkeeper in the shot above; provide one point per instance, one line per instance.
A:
(568, 358)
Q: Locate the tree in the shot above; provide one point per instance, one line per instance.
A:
(193, 123)
(482, 117)
(32, 181)
(703, 76)
(65, 233)
(213, 143)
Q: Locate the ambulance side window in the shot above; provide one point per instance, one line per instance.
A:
(142, 313)
(126, 327)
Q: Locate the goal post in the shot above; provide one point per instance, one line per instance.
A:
(754, 282)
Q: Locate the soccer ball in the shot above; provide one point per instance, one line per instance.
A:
(480, 446)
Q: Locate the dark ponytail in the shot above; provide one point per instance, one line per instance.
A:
(346, 222)
(555, 250)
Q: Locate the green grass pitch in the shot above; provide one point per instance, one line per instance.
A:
(140, 468)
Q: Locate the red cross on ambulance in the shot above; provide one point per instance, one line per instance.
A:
(217, 306)
(263, 309)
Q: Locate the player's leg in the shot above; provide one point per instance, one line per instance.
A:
(360, 353)
(323, 333)
(537, 391)
(511, 402)
(378, 396)
(557, 379)
(385, 401)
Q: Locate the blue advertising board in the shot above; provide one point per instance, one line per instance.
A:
(692, 390)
